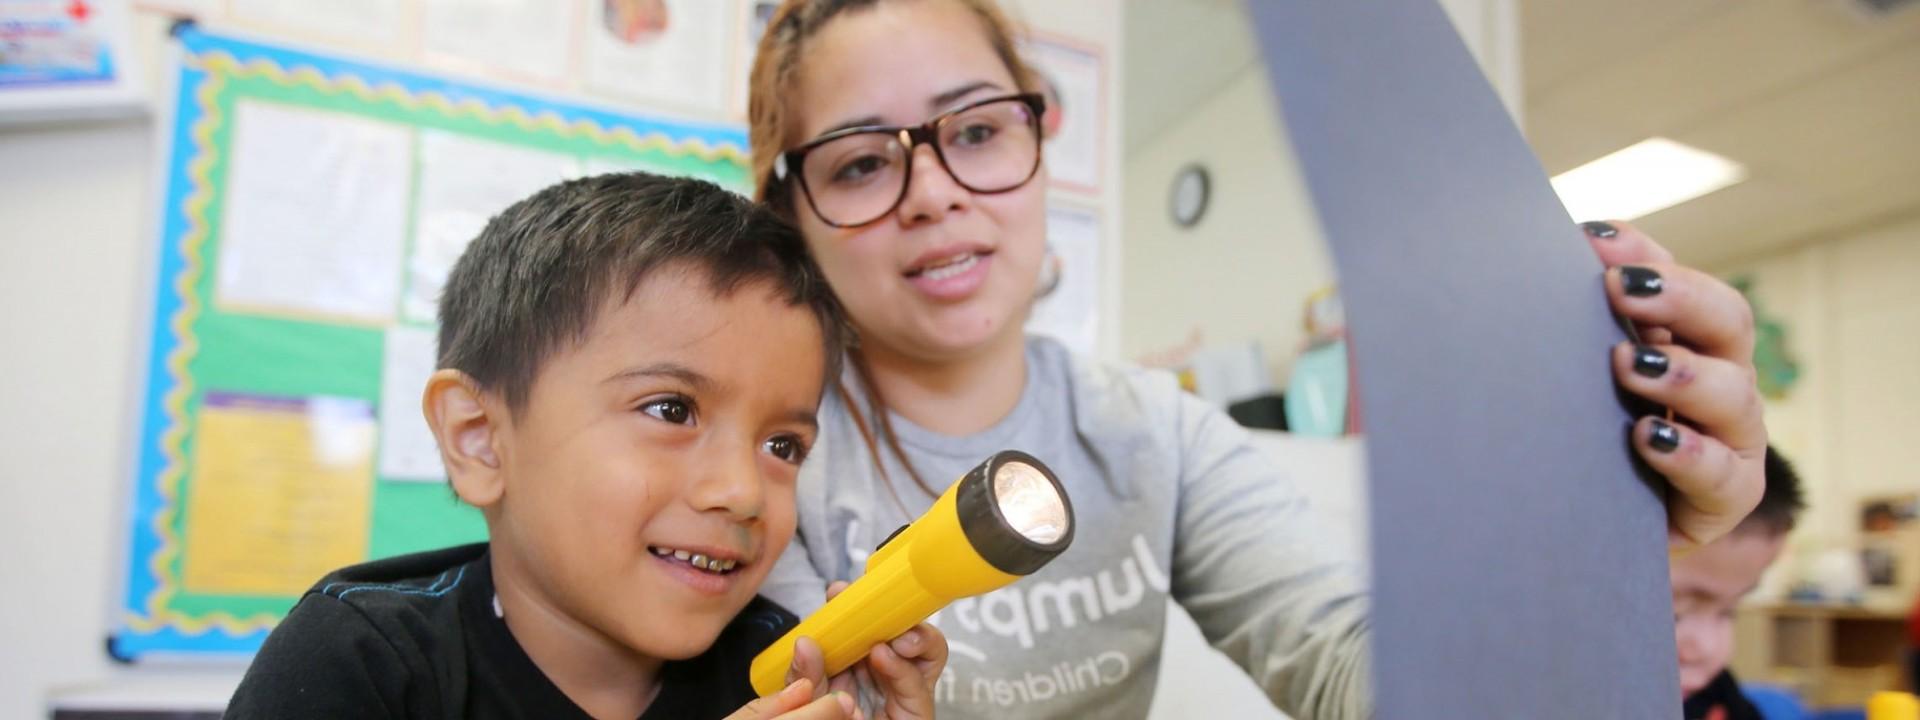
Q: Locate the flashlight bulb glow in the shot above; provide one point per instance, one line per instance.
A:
(1030, 503)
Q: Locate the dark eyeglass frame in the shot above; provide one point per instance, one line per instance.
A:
(928, 133)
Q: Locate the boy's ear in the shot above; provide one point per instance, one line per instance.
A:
(466, 423)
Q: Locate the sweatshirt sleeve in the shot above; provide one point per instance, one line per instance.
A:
(1260, 577)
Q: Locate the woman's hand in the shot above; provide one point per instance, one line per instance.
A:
(1696, 358)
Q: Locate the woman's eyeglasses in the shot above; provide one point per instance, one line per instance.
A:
(855, 176)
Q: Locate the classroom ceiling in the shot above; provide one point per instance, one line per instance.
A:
(1167, 73)
(1818, 98)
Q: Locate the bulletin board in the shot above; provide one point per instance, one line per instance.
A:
(310, 208)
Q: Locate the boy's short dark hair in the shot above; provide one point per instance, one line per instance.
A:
(534, 279)
(1781, 503)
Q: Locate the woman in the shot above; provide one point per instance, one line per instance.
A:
(903, 138)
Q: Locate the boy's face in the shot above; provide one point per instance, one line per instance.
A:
(671, 435)
(1707, 584)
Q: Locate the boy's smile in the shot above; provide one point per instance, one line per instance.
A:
(647, 484)
(705, 570)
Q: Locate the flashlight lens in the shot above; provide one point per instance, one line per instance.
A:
(1030, 503)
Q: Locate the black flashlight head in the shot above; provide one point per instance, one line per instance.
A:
(1015, 512)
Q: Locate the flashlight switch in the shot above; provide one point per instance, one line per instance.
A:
(890, 536)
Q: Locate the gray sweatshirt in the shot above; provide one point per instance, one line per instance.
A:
(1168, 496)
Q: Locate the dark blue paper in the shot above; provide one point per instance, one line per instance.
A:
(1520, 564)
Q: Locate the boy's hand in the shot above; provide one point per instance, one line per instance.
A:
(796, 702)
(902, 670)
(906, 669)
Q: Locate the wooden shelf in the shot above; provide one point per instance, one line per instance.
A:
(1833, 655)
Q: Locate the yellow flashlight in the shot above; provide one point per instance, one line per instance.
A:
(1002, 520)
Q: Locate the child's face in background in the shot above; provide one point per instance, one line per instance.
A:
(1707, 585)
(671, 434)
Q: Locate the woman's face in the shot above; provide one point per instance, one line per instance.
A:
(949, 271)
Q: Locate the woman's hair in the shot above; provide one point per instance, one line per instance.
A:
(774, 88)
(772, 129)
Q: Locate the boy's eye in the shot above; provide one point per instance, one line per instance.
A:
(787, 447)
(673, 410)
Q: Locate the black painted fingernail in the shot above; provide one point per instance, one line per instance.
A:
(1639, 281)
(1598, 229)
(1665, 437)
(1649, 362)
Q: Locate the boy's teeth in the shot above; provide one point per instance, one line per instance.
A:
(698, 560)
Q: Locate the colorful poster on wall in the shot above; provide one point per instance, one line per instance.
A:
(1073, 79)
(311, 208)
(676, 53)
(528, 41)
(45, 42)
(64, 58)
(758, 14)
(1067, 302)
(375, 25)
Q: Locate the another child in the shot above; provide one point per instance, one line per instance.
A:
(1709, 582)
(629, 371)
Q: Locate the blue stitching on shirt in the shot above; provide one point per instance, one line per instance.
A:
(328, 589)
(403, 590)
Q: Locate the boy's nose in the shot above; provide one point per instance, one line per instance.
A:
(1687, 646)
(731, 484)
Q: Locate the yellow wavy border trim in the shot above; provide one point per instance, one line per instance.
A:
(218, 66)
(158, 615)
(222, 62)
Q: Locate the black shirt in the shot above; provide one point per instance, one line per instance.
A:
(1723, 695)
(416, 636)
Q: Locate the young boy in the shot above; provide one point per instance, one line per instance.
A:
(629, 371)
(1709, 582)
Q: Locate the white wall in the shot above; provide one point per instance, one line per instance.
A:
(1243, 273)
(70, 250)
(1851, 307)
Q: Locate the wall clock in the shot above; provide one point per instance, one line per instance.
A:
(1188, 200)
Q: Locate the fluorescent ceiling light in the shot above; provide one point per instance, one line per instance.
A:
(1643, 178)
